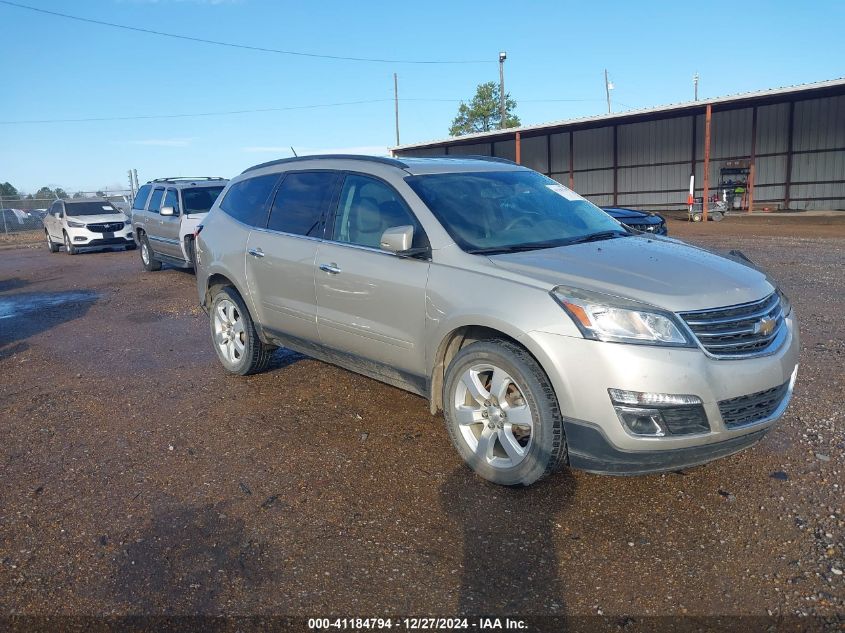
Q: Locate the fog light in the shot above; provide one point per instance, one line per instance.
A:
(642, 421)
(659, 414)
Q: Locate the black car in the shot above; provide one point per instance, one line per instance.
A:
(639, 220)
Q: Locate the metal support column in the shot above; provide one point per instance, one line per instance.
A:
(789, 134)
(518, 149)
(752, 168)
(615, 166)
(571, 160)
(707, 117)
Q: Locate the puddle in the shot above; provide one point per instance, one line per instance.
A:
(35, 301)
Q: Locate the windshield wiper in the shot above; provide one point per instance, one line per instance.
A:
(516, 248)
(596, 237)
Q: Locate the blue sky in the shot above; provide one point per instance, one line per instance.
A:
(54, 68)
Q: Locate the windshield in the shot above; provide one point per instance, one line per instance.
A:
(503, 211)
(74, 209)
(200, 199)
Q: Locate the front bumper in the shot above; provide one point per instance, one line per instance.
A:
(582, 371)
(83, 238)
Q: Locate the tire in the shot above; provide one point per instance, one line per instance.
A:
(70, 249)
(696, 217)
(148, 260)
(716, 216)
(54, 248)
(189, 251)
(511, 458)
(234, 336)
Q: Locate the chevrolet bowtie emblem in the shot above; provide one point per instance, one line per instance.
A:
(765, 326)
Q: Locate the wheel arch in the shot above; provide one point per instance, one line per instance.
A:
(459, 337)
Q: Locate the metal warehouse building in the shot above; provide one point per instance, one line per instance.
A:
(785, 146)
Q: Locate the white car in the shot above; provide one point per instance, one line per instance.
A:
(86, 223)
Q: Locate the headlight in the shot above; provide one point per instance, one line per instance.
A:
(785, 305)
(608, 318)
(76, 225)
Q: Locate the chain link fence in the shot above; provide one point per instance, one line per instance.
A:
(22, 217)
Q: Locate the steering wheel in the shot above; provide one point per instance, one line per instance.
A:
(516, 221)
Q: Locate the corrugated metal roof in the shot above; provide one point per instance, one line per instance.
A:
(771, 92)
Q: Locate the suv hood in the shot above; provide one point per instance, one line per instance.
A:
(96, 219)
(661, 272)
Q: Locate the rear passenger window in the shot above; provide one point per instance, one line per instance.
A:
(155, 200)
(246, 201)
(141, 198)
(301, 201)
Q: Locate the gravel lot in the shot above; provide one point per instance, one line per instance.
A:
(139, 478)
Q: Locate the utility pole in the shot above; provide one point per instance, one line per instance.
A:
(695, 83)
(502, 109)
(396, 105)
(607, 88)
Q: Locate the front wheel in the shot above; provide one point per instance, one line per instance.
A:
(54, 248)
(234, 335)
(70, 249)
(502, 414)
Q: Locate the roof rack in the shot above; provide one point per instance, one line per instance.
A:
(489, 159)
(293, 159)
(186, 179)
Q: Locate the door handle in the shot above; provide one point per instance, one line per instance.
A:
(332, 268)
(256, 252)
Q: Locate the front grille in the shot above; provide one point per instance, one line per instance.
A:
(105, 227)
(740, 330)
(753, 407)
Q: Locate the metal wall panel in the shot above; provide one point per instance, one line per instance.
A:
(663, 141)
(478, 149)
(422, 151)
(662, 177)
(593, 182)
(560, 153)
(534, 153)
(505, 149)
(818, 166)
(773, 194)
(772, 128)
(820, 123)
(730, 133)
(593, 148)
(769, 169)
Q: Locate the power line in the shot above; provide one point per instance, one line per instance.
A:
(313, 106)
(194, 114)
(261, 49)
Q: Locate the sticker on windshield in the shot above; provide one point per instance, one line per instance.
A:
(566, 193)
(108, 207)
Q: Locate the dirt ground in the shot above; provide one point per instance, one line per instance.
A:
(139, 478)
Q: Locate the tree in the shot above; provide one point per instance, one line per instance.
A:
(482, 114)
(61, 193)
(7, 190)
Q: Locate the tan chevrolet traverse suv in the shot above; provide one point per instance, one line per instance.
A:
(546, 331)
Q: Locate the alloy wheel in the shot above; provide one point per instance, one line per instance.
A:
(493, 416)
(229, 333)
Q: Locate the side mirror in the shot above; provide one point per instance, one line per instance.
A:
(167, 211)
(58, 215)
(397, 238)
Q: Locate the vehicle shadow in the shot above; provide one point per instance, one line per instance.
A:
(14, 283)
(24, 315)
(510, 565)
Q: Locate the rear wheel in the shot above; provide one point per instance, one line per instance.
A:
(696, 217)
(70, 249)
(54, 248)
(502, 414)
(234, 335)
(151, 264)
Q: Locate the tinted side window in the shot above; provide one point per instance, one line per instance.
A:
(300, 202)
(155, 200)
(246, 201)
(141, 197)
(367, 208)
(171, 199)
